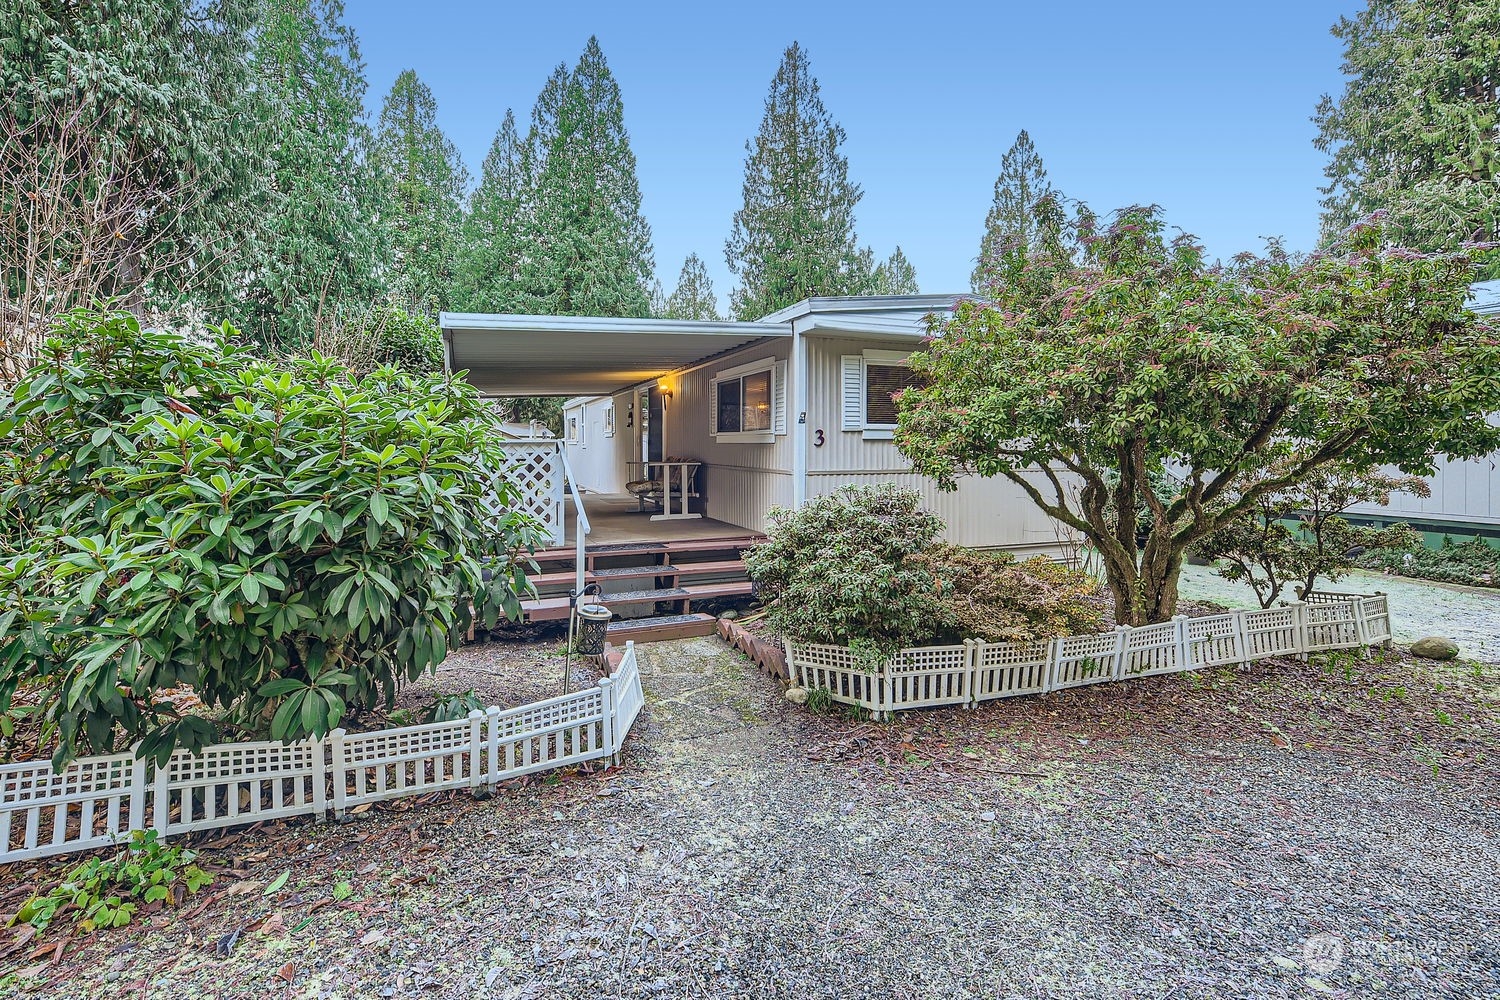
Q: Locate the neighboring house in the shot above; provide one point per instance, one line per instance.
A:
(776, 411)
(1465, 499)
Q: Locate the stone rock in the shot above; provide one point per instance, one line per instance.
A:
(796, 695)
(1435, 647)
(730, 615)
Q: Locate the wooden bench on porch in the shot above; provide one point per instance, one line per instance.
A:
(657, 483)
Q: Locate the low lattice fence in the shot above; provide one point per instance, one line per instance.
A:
(96, 801)
(978, 671)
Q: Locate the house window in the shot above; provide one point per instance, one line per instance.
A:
(882, 382)
(574, 429)
(746, 403)
(870, 382)
(609, 420)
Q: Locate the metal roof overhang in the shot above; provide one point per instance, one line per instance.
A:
(511, 355)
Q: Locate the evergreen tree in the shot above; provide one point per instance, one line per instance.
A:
(494, 231)
(589, 252)
(544, 121)
(421, 183)
(1011, 223)
(794, 237)
(315, 251)
(658, 299)
(1414, 133)
(694, 296)
(160, 87)
(894, 276)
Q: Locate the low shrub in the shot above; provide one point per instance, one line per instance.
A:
(1474, 563)
(105, 892)
(451, 707)
(846, 569)
(290, 540)
(990, 596)
(862, 568)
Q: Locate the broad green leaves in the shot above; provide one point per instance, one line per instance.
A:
(290, 542)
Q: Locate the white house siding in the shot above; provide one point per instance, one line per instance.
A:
(739, 481)
(598, 459)
(983, 513)
(1463, 493)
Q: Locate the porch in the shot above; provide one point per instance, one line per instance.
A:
(616, 519)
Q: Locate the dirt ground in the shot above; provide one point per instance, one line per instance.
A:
(1286, 830)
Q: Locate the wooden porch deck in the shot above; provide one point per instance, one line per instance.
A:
(617, 520)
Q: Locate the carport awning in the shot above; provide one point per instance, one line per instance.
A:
(510, 355)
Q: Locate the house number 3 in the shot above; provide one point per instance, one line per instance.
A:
(818, 438)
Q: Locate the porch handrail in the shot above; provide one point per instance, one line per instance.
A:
(584, 528)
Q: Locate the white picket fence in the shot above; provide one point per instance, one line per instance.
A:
(96, 801)
(974, 671)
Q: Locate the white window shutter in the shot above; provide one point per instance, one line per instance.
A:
(713, 407)
(852, 383)
(778, 398)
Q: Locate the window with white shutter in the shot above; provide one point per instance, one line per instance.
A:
(869, 383)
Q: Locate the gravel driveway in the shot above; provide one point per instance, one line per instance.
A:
(1285, 831)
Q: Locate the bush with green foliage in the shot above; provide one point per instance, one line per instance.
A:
(1475, 563)
(290, 541)
(862, 567)
(406, 340)
(105, 892)
(845, 569)
(452, 707)
(990, 596)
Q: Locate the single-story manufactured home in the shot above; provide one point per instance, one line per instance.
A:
(1465, 500)
(685, 420)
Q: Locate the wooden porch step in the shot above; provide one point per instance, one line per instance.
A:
(706, 568)
(663, 627)
(556, 608)
(566, 578)
(726, 543)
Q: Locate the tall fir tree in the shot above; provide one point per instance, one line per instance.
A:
(493, 241)
(694, 297)
(589, 248)
(315, 251)
(162, 85)
(894, 276)
(421, 188)
(1011, 223)
(794, 237)
(1414, 132)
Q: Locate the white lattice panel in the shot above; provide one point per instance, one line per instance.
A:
(1153, 649)
(1084, 659)
(1332, 626)
(1215, 640)
(551, 733)
(628, 696)
(390, 763)
(929, 676)
(238, 783)
(536, 472)
(837, 670)
(92, 803)
(1004, 669)
(1375, 614)
(1272, 632)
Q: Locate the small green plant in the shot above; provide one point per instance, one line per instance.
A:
(105, 892)
(819, 700)
(1444, 719)
(342, 891)
(452, 707)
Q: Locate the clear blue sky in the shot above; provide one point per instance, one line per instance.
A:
(1200, 107)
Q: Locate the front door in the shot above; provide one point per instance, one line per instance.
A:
(655, 423)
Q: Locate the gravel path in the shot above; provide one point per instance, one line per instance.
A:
(1285, 831)
(1469, 616)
